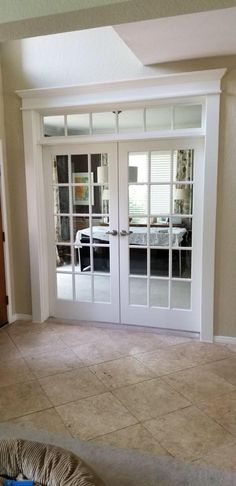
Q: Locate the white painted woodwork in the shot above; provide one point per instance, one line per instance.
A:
(127, 93)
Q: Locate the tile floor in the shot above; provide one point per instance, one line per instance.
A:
(164, 394)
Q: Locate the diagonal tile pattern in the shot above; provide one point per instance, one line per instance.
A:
(139, 389)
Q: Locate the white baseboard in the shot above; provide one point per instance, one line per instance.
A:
(225, 339)
(20, 317)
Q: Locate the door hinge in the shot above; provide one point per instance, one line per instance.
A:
(3, 237)
(7, 300)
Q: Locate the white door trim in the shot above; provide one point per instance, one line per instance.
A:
(6, 228)
(52, 100)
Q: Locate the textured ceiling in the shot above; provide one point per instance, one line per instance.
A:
(28, 18)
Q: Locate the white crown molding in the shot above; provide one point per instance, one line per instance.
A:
(197, 83)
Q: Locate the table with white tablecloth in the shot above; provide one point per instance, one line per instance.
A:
(158, 236)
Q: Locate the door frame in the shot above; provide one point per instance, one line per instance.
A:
(5, 227)
(206, 84)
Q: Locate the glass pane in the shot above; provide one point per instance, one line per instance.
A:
(188, 116)
(159, 293)
(101, 259)
(101, 196)
(60, 170)
(159, 236)
(100, 229)
(76, 259)
(138, 231)
(61, 200)
(81, 230)
(79, 165)
(181, 263)
(54, 126)
(138, 261)
(158, 118)
(138, 200)
(130, 121)
(160, 199)
(83, 288)
(138, 291)
(181, 295)
(101, 289)
(63, 258)
(160, 166)
(141, 222)
(182, 199)
(62, 229)
(104, 123)
(160, 263)
(181, 231)
(78, 124)
(64, 286)
(99, 168)
(82, 259)
(138, 167)
(183, 165)
(80, 198)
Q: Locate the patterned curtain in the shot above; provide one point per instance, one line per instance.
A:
(57, 222)
(184, 165)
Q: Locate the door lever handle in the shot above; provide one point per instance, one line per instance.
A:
(125, 233)
(112, 232)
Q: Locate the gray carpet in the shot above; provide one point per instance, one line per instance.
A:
(119, 467)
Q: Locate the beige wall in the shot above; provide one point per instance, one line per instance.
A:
(67, 59)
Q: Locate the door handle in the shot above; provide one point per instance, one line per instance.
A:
(112, 232)
(125, 233)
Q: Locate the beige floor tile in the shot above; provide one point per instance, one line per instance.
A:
(21, 399)
(224, 457)
(14, 371)
(172, 340)
(197, 384)
(166, 360)
(188, 433)
(51, 364)
(121, 372)
(75, 336)
(98, 352)
(20, 328)
(200, 353)
(134, 342)
(48, 420)
(150, 399)
(133, 437)
(34, 343)
(71, 386)
(231, 347)
(225, 369)
(8, 349)
(223, 410)
(94, 416)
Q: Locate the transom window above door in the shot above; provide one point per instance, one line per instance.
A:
(164, 117)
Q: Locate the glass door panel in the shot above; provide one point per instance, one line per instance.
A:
(85, 248)
(157, 220)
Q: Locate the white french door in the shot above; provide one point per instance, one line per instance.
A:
(160, 216)
(125, 232)
(82, 194)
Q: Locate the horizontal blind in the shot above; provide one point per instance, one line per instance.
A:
(160, 172)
